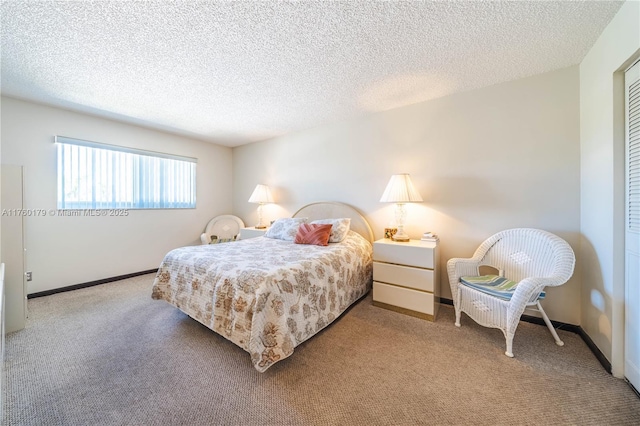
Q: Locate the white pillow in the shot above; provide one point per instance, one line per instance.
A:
(285, 229)
(339, 229)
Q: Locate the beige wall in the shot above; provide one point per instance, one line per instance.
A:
(602, 181)
(64, 251)
(500, 157)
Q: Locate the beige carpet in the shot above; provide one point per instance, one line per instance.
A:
(109, 355)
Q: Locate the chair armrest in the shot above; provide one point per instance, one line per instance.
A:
(527, 291)
(205, 238)
(458, 267)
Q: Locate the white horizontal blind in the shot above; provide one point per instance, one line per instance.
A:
(633, 167)
(100, 176)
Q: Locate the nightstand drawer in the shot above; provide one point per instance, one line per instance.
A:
(404, 298)
(406, 276)
(413, 253)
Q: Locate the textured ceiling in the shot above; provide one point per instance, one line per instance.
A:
(237, 72)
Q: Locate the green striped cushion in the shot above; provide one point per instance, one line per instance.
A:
(494, 285)
(221, 240)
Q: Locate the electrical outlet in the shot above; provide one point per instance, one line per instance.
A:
(29, 276)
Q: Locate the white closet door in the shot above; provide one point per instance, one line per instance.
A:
(632, 226)
(13, 255)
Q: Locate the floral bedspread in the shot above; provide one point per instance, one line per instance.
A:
(266, 295)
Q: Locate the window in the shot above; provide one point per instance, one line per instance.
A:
(97, 176)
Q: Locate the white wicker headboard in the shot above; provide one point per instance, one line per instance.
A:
(335, 210)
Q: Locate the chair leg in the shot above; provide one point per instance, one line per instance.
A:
(509, 351)
(456, 307)
(550, 326)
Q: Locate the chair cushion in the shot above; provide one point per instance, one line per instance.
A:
(215, 240)
(493, 285)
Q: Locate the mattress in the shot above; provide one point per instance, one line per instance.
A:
(266, 295)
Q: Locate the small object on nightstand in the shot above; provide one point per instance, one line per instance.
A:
(429, 236)
(390, 232)
(406, 277)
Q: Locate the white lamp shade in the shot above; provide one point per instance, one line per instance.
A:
(261, 194)
(400, 190)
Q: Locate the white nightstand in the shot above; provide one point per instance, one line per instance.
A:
(406, 277)
(246, 233)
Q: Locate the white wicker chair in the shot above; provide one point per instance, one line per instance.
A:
(533, 258)
(223, 227)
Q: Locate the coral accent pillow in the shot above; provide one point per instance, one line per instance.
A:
(315, 234)
(340, 228)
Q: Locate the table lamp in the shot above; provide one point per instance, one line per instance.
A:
(261, 195)
(400, 190)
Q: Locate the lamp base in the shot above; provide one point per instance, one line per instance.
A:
(261, 227)
(400, 239)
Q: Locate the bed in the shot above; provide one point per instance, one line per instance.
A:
(268, 295)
